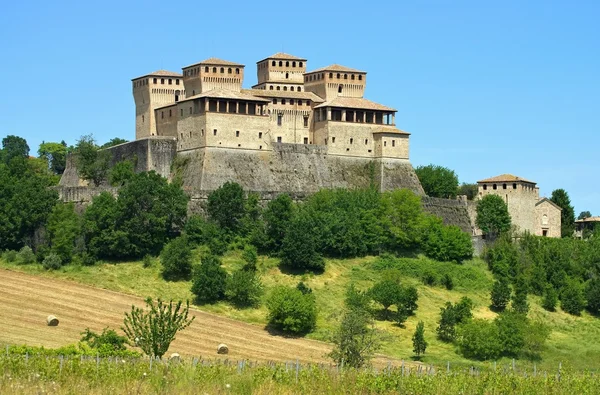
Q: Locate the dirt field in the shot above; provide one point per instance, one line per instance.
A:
(27, 300)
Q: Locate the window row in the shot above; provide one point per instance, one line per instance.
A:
(495, 186)
(285, 88)
(274, 63)
(321, 76)
(169, 81)
(167, 91)
(280, 120)
(195, 71)
(291, 101)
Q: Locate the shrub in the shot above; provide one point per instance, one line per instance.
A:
(87, 259)
(409, 299)
(447, 243)
(479, 339)
(452, 315)
(500, 294)
(419, 342)
(147, 261)
(535, 338)
(10, 256)
(52, 262)
(550, 299)
(592, 293)
(572, 299)
(244, 289)
(447, 282)
(199, 231)
(108, 340)
(429, 278)
(209, 281)
(26, 255)
(305, 289)
(176, 259)
(512, 327)
(519, 300)
(250, 257)
(291, 311)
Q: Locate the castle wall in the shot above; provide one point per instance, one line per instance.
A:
(452, 212)
(520, 199)
(166, 120)
(290, 122)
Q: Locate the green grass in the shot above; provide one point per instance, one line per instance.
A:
(573, 341)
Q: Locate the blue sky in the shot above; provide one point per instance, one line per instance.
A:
(485, 88)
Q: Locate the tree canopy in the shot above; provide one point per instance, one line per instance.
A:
(492, 216)
(560, 197)
(438, 181)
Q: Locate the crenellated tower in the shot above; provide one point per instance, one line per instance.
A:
(213, 73)
(336, 81)
(150, 92)
(281, 72)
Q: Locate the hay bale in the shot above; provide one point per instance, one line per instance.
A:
(222, 349)
(52, 320)
(175, 357)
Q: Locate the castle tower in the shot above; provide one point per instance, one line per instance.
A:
(281, 72)
(150, 92)
(336, 81)
(213, 73)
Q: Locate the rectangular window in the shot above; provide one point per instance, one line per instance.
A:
(237, 133)
(181, 112)
(274, 101)
(176, 82)
(305, 121)
(190, 110)
(260, 135)
(214, 132)
(306, 140)
(393, 143)
(162, 114)
(333, 140)
(170, 81)
(279, 139)
(279, 119)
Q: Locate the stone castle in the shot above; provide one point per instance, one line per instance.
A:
(295, 132)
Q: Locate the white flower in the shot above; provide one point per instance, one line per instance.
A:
(227, 386)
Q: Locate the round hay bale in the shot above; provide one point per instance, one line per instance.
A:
(222, 349)
(175, 357)
(52, 320)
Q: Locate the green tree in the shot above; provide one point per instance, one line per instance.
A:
(108, 340)
(418, 339)
(500, 294)
(250, 257)
(512, 327)
(479, 339)
(438, 181)
(560, 197)
(453, 315)
(592, 293)
(176, 259)
(492, 216)
(14, 147)
(572, 297)
(291, 311)
(226, 206)
(355, 339)
(277, 216)
(550, 298)
(121, 173)
(298, 249)
(64, 228)
(114, 141)
(153, 330)
(403, 218)
(386, 293)
(244, 289)
(210, 280)
(468, 190)
(519, 299)
(52, 262)
(584, 215)
(92, 162)
(55, 154)
(447, 243)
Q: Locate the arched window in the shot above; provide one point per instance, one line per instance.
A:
(292, 88)
(162, 81)
(278, 88)
(293, 64)
(330, 75)
(287, 75)
(214, 69)
(154, 80)
(299, 89)
(222, 70)
(285, 88)
(237, 70)
(545, 219)
(352, 76)
(360, 77)
(229, 71)
(299, 64)
(271, 87)
(273, 63)
(282, 101)
(280, 63)
(345, 76)
(338, 76)
(287, 64)
(340, 88)
(291, 101)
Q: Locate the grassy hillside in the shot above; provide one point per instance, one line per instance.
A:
(573, 340)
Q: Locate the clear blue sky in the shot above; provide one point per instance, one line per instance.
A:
(485, 89)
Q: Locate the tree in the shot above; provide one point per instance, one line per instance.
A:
(92, 162)
(468, 190)
(210, 280)
(244, 288)
(14, 147)
(121, 173)
(154, 330)
(584, 215)
(572, 297)
(55, 154)
(403, 218)
(290, 310)
(451, 316)
(386, 293)
(298, 249)
(250, 257)
(479, 339)
(355, 339)
(550, 298)
(64, 228)
(492, 216)
(447, 243)
(176, 259)
(226, 207)
(592, 293)
(500, 294)
(560, 197)
(277, 216)
(438, 181)
(419, 343)
(519, 299)
(512, 327)
(112, 142)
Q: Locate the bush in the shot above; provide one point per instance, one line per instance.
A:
(592, 293)
(176, 259)
(447, 282)
(87, 259)
(452, 315)
(244, 289)
(519, 300)
(535, 339)
(147, 261)
(550, 299)
(429, 278)
(409, 299)
(305, 289)
(209, 281)
(500, 295)
(250, 257)
(512, 327)
(291, 311)
(10, 256)
(447, 243)
(107, 340)
(479, 339)
(26, 255)
(572, 299)
(52, 262)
